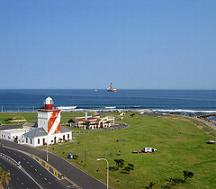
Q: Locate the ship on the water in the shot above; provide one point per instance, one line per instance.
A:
(111, 89)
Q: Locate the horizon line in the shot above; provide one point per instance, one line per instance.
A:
(105, 89)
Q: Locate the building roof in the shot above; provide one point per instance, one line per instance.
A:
(65, 130)
(37, 132)
(7, 127)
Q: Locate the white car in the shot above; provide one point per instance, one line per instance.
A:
(149, 150)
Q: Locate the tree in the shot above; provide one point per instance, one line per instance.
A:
(71, 122)
(187, 174)
(131, 166)
(133, 114)
(4, 179)
(119, 163)
(126, 170)
(87, 124)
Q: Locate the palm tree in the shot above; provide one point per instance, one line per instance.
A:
(4, 179)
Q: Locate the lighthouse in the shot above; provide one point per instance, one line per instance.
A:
(49, 117)
(49, 130)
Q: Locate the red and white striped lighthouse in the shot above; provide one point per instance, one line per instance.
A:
(49, 118)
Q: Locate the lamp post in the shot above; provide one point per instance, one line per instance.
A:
(47, 157)
(99, 159)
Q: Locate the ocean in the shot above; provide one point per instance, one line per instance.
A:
(158, 100)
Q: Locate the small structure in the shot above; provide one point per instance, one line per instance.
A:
(94, 122)
(47, 131)
(211, 142)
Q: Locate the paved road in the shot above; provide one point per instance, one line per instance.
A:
(35, 170)
(78, 177)
(19, 180)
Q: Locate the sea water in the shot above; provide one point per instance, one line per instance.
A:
(160, 100)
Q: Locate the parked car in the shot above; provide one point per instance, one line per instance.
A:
(145, 150)
(149, 150)
(211, 142)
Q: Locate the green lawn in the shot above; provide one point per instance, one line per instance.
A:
(32, 117)
(181, 144)
(5, 117)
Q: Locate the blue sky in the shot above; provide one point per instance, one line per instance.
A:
(139, 44)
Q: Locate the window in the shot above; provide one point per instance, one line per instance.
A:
(31, 141)
(68, 136)
(38, 141)
(26, 140)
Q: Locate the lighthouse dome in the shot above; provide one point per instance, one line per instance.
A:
(48, 103)
(49, 100)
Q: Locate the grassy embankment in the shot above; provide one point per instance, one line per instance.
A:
(181, 145)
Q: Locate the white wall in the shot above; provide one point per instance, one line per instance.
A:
(50, 138)
(13, 133)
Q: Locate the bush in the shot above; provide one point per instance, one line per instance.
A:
(187, 174)
(150, 185)
(131, 166)
(113, 168)
(119, 163)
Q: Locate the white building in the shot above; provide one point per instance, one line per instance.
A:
(94, 122)
(49, 129)
(13, 135)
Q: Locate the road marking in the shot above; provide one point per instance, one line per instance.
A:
(36, 170)
(49, 183)
(45, 178)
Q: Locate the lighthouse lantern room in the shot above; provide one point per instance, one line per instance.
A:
(49, 117)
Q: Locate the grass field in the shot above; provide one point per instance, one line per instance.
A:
(32, 117)
(181, 145)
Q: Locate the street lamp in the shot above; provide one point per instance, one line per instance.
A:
(99, 159)
(47, 155)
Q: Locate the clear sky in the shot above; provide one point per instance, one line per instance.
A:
(141, 44)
